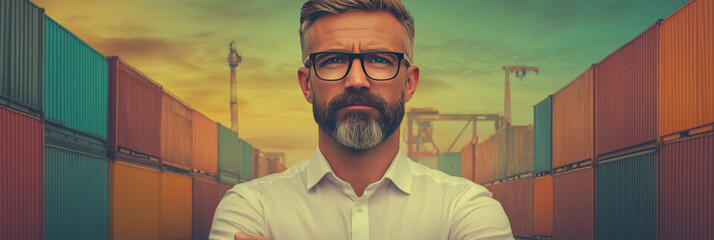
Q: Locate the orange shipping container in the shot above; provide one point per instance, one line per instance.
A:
(468, 158)
(686, 68)
(205, 143)
(134, 202)
(573, 121)
(543, 206)
(176, 203)
(176, 132)
(262, 164)
(484, 173)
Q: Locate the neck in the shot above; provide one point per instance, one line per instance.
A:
(359, 169)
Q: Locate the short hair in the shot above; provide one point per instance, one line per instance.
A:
(314, 9)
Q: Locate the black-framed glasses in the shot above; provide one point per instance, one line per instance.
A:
(377, 65)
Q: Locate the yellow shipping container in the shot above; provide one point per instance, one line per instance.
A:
(176, 203)
(134, 202)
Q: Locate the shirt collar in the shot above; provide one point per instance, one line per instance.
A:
(399, 171)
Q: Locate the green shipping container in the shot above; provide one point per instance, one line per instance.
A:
(227, 178)
(76, 195)
(450, 163)
(246, 160)
(228, 151)
(543, 135)
(76, 82)
(21, 43)
(627, 197)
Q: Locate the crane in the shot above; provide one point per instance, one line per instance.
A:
(520, 73)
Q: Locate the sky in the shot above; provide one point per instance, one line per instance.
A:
(460, 46)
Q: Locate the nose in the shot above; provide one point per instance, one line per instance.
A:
(356, 79)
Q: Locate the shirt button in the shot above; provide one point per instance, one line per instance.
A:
(360, 209)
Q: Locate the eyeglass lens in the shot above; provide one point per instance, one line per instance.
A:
(378, 66)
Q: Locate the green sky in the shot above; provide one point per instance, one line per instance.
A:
(460, 47)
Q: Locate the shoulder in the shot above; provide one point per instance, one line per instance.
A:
(438, 179)
(288, 179)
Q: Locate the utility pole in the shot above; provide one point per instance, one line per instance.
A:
(233, 60)
(520, 73)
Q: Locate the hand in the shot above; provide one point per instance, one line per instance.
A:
(243, 236)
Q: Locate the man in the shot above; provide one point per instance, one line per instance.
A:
(359, 184)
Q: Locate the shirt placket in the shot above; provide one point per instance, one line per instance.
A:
(360, 220)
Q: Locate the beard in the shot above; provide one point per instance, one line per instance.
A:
(357, 131)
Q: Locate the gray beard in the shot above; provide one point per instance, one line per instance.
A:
(358, 134)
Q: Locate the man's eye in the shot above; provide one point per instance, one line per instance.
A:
(331, 61)
(380, 60)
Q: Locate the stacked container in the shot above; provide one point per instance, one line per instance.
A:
(205, 195)
(519, 153)
(484, 159)
(573, 208)
(176, 206)
(516, 197)
(543, 206)
(176, 132)
(543, 135)
(246, 162)
(468, 160)
(450, 163)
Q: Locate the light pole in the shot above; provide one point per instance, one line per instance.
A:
(233, 60)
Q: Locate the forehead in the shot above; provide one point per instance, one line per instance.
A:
(356, 31)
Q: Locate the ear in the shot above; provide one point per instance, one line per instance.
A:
(304, 81)
(412, 82)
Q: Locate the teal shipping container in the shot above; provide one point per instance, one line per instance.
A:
(450, 163)
(228, 151)
(76, 195)
(543, 135)
(21, 43)
(246, 160)
(227, 178)
(76, 82)
(627, 196)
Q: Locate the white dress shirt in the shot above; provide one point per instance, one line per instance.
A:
(411, 201)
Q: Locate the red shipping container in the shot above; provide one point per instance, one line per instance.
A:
(516, 197)
(627, 94)
(21, 176)
(205, 200)
(205, 143)
(223, 187)
(176, 132)
(134, 110)
(468, 158)
(543, 206)
(573, 204)
(686, 189)
(484, 173)
(573, 121)
(274, 165)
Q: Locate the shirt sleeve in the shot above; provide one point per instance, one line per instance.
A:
(478, 216)
(239, 211)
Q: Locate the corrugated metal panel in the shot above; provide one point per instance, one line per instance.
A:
(430, 162)
(76, 82)
(686, 189)
(450, 163)
(76, 195)
(627, 197)
(626, 97)
(573, 208)
(519, 152)
(543, 206)
(205, 201)
(227, 178)
(134, 202)
(543, 135)
(223, 187)
(176, 204)
(573, 121)
(246, 161)
(176, 132)
(205, 143)
(484, 172)
(275, 166)
(228, 151)
(134, 109)
(21, 61)
(499, 151)
(516, 197)
(468, 160)
(686, 73)
(21, 176)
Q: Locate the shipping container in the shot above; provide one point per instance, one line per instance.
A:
(223, 187)
(543, 206)
(227, 178)
(134, 110)
(543, 135)
(519, 153)
(468, 160)
(205, 144)
(430, 162)
(686, 189)
(66, 138)
(21, 175)
(205, 201)
(76, 82)
(484, 172)
(573, 121)
(499, 150)
(176, 132)
(450, 163)
(176, 203)
(275, 166)
(134, 202)
(573, 207)
(246, 161)
(228, 151)
(626, 99)
(21, 56)
(627, 196)
(686, 72)
(76, 194)
(516, 197)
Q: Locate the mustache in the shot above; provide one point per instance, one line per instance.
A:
(349, 98)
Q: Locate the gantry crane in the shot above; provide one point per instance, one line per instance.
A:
(520, 73)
